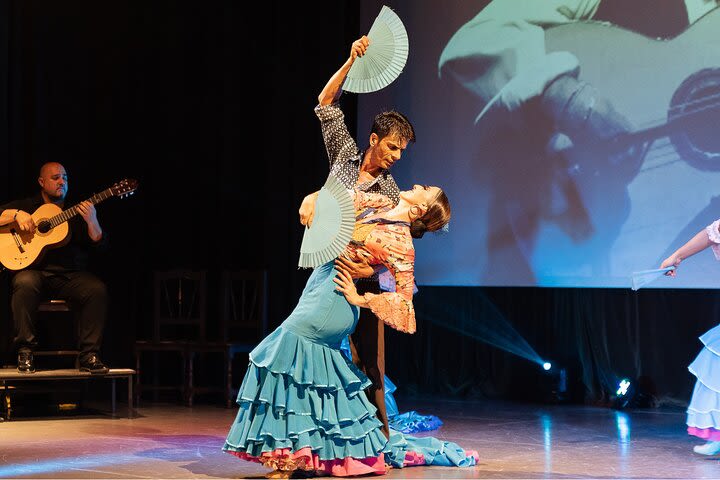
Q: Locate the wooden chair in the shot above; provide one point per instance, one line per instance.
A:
(52, 306)
(243, 324)
(179, 321)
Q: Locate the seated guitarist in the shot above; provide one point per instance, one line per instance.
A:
(60, 272)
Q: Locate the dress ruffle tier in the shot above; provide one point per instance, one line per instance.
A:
(703, 413)
(302, 406)
(410, 421)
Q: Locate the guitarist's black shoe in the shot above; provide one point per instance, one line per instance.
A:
(26, 361)
(92, 363)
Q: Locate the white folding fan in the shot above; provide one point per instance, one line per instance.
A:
(332, 225)
(384, 58)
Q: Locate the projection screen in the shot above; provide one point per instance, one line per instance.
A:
(577, 140)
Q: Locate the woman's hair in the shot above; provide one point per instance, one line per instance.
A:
(387, 123)
(436, 217)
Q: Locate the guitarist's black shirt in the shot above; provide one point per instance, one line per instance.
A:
(72, 256)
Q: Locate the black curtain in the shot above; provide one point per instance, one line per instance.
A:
(479, 342)
(210, 106)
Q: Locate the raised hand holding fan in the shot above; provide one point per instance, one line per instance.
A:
(385, 56)
(332, 226)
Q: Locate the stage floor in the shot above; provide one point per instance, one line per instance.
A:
(514, 441)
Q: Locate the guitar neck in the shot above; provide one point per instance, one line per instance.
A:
(680, 123)
(66, 215)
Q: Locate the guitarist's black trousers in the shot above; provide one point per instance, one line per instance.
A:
(85, 292)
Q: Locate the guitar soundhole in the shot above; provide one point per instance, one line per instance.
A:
(44, 226)
(695, 111)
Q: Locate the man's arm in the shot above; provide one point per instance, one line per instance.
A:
(89, 214)
(332, 90)
(8, 216)
(359, 269)
(12, 212)
(307, 209)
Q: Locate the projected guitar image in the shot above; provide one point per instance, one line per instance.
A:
(659, 85)
(591, 198)
(19, 250)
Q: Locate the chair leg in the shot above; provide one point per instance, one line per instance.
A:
(137, 378)
(189, 380)
(156, 381)
(8, 405)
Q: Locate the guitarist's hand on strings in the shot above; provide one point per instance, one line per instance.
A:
(25, 222)
(87, 211)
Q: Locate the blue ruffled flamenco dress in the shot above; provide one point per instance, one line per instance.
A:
(302, 404)
(703, 413)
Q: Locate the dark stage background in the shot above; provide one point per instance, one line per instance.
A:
(210, 106)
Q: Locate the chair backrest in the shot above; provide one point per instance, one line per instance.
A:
(244, 314)
(180, 305)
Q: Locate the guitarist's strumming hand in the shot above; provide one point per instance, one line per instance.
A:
(87, 211)
(25, 222)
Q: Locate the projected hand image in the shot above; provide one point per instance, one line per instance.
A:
(587, 109)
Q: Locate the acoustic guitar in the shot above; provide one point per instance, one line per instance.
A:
(19, 250)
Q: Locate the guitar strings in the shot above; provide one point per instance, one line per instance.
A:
(666, 150)
(68, 213)
(657, 122)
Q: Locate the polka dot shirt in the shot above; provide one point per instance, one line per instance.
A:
(345, 157)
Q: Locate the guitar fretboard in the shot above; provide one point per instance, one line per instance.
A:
(66, 215)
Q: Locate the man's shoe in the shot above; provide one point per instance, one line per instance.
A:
(26, 361)
(92, 363)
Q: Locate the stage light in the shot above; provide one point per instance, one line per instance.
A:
(558, 381)
(623, 387)
(624, 394)
(635, 393)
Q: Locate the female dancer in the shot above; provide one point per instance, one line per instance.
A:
(302, 404)
(703, 413)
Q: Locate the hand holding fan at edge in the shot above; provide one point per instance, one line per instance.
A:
(641, 278)
(708, 237)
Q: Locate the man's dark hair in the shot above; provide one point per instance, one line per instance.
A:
(392, 122)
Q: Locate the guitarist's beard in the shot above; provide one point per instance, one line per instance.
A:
(56, 198)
